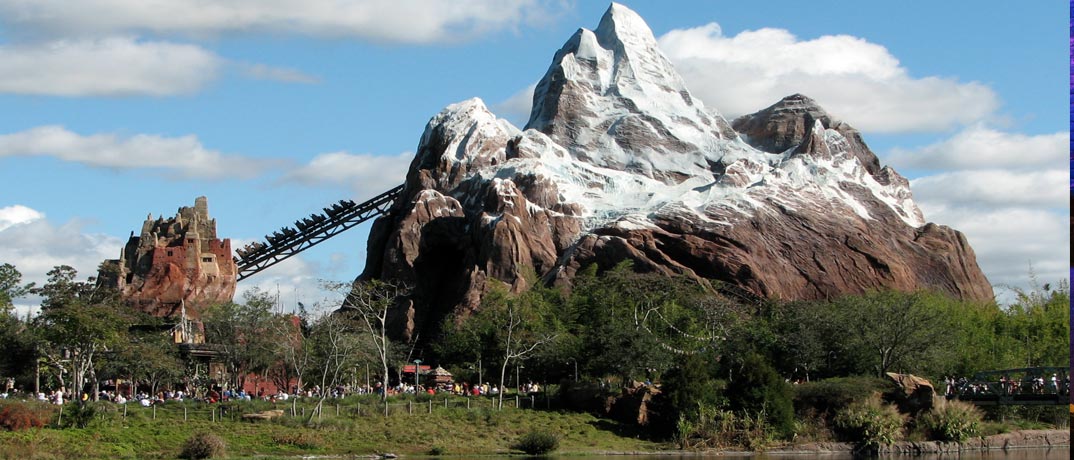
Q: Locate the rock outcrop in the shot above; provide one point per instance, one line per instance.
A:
(618, 161)
(175, 264)
(913, 394)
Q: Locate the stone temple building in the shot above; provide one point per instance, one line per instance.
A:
(176, 267)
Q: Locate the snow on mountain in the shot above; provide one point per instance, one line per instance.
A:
(619, 161)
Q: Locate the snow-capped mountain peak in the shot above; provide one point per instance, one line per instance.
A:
(619, 161)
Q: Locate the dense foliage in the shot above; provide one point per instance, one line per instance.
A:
(730, 368)
(952, 421)
(870, 423)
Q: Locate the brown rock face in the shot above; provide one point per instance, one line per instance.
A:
(619, 162)
(174, 263)
(914, 394)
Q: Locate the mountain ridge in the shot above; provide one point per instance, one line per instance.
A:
(619, 161)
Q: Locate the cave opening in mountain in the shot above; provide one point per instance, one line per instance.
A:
(442, 270)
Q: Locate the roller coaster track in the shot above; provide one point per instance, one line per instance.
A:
(309, 232)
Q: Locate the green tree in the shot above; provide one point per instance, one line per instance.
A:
(335, 345)
(78, 321)
(515, 325)
(149, 355)
(1039, 321)
(247, 333)
(369, 303)
(11, 287)
(688, 388)
(755, 388)
(16, 341)
(890, 330)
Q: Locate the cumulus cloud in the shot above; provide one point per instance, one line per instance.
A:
(993, 188)
(398, 21)
(1006, 193)
(18, 214)
(116, 66)
(1010, 241)
(855, 80)
(366, 174)
(516, 108)
(296, 280)
(978, 147)
(282, 74)
(34, 245)
(184, 156)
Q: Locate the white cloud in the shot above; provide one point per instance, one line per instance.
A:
(857, 81)
(116, 66)
(978, 147)
(366, 174)
(184, 156)
(296, 280)
(993, 189)
(282, 74)
(400, 21)
(1006, 194)
(516, 108)
(36, 245)
(18, 214)
(1009, 241)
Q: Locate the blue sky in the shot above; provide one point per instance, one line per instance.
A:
(118, 108)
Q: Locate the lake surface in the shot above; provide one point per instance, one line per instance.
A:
(1014, 454)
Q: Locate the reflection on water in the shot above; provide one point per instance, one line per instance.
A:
(1014, 454)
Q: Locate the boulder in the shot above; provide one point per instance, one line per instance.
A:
(913, 394)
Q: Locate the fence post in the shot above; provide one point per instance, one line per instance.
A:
(59, 420)
(359, 409)
(154, 412)
(516, 402)
(212, 409)
(124, 411)
(445, 403)
(467, 403)
(410, 407)
(430, 406)
(184, 411)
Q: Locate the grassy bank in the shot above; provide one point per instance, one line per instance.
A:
(409, 429)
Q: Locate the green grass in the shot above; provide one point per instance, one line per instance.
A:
(452, 431)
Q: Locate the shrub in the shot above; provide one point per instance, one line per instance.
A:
(18, 416)
(537, 443)
(720, 429)
(436, 451)
(78, 415)
(870, 423)
(952, 421)
(759, 391)
(825, 397)
(300, 439)
(203, 445)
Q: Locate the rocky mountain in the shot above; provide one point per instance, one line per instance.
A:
(174, 265)
(618, 161)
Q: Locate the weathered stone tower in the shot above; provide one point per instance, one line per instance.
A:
(175, 264)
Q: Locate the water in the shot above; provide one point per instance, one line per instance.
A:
(1014, 454)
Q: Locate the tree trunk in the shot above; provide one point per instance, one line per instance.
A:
(503, 373)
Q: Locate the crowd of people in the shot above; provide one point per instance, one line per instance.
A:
(1039, 384)
(218, 393)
